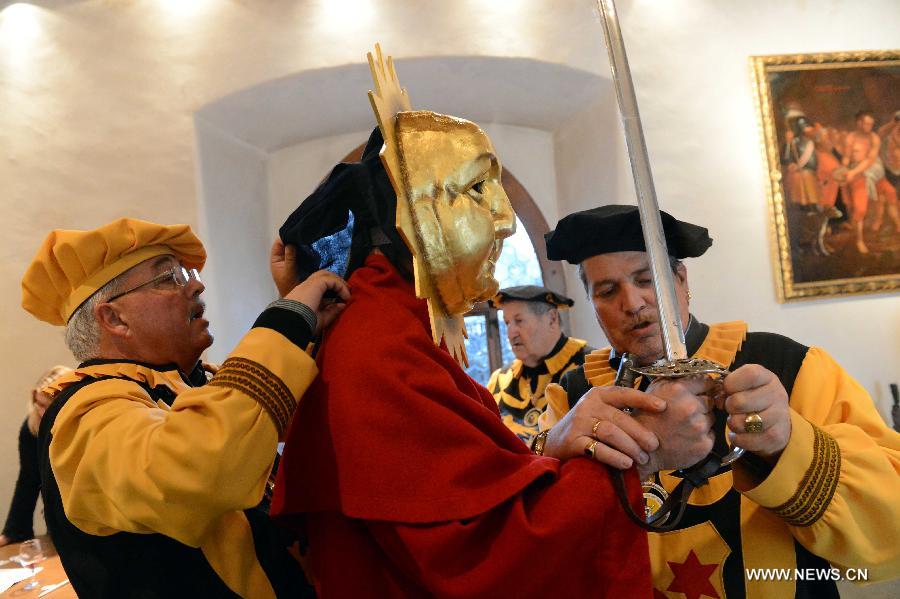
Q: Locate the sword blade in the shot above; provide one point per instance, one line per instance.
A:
(670, 324)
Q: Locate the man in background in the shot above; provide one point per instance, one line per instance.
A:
(543, 354)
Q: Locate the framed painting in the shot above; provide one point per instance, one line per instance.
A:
(831, 139)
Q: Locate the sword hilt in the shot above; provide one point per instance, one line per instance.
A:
(675, 369)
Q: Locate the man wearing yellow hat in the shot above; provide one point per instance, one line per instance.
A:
(145, 466)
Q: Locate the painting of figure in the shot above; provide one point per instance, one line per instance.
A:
(831, 138)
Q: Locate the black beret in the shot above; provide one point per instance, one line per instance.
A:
(617, 228)
(531, 293)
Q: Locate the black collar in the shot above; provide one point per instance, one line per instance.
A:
(695, 335)
(541, 368)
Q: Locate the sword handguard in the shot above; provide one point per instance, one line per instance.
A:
(675, 369)
(671, 510)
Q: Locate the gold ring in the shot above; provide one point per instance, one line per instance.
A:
(753, 423)
(594, 428)
(589, 450)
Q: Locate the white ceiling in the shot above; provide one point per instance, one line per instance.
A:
(330, 101)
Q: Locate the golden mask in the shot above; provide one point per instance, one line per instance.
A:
(461, 213)
(452, 210)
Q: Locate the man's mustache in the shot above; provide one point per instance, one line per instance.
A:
(198, 309)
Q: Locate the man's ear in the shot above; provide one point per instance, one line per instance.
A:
(681, 273)
(554, 316)
(110, 319)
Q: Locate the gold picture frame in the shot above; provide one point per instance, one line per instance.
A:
(830, 237)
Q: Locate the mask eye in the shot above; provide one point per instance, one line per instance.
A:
(476, 191)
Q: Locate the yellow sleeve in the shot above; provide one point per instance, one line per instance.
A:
(492, 384)
(557, 406)
(837, 483)
(123, 463)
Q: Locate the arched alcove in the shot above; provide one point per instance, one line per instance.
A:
(261, 150)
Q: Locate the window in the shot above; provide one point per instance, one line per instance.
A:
(487, 345)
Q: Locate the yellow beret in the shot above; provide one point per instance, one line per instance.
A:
(72, 265)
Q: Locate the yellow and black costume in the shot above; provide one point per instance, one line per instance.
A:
(831, 499)
(519, 389)
(149, 475)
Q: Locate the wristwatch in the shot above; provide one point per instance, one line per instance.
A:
(537, 444)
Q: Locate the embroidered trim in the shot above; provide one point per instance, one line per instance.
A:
(260, 384)
(818, 486)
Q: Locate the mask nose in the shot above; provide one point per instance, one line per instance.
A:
(504, 216)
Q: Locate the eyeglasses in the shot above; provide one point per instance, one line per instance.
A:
(177, 276)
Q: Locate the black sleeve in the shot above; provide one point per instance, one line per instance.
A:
(19, 522)
(288, 323)
(777, 353)
(575, 385)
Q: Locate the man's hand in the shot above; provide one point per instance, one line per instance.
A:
(312, 293)
(752, 388)
(622, 439)
(685, 428)
(283, 265)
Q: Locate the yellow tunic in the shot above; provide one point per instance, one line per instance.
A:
(124, 462)
(519, 406)
(834, 489)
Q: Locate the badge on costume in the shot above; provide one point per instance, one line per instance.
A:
(654, 497)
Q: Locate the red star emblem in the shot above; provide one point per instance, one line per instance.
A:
(692, 578)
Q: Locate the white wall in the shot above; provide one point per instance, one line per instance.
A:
(592, 169)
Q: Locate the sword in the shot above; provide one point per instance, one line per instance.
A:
(676, 363)
(663, 284)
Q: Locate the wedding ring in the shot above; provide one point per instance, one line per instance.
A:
(589, 450)
(594, 428)
(753, 423)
